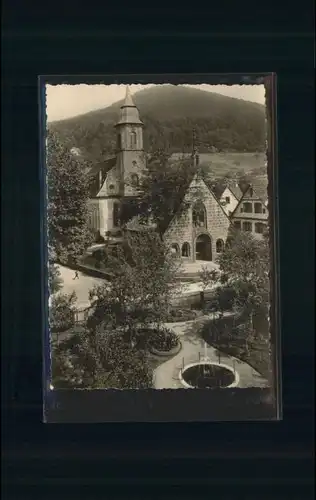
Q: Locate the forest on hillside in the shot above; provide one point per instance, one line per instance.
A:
(173, 136)
(170, 114)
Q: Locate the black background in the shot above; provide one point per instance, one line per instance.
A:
(240, 460)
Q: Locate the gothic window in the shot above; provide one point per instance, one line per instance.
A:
(135, 180)
(199, 215)
(247, 226)
(133, 139)
(175, 250)
(185, 250)
(119, 142)
(219, 246)
(247, 207)
(258, 208)
(116, 214)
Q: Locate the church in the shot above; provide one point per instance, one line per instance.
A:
(198, 232)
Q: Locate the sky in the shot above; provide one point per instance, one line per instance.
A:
(65, 101)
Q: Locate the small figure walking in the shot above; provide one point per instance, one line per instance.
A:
(76, 275)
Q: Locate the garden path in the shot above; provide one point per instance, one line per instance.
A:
(166, 375)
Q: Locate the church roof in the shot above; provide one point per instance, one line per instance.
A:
(94, 174)
(128, 113)
(128, 98)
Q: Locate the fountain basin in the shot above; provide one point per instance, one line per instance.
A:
(208, 375)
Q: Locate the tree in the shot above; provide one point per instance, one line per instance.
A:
(67, 202)
(208, 277)
(141, 289)
(62, 312)
(102, 360)
(55, 282)
(245, 267)
(161, 191)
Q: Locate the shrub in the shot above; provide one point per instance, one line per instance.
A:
(164, 339)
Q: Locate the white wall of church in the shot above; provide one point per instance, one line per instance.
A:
(98, 215)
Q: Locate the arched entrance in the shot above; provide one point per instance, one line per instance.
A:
(203, 247)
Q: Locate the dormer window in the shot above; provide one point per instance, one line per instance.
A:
(227, 199)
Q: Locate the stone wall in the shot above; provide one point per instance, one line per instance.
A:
(181, 228)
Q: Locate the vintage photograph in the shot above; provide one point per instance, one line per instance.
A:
(158, 236)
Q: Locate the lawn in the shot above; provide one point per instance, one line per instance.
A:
(222, 338)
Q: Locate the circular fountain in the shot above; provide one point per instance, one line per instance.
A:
(208, 375)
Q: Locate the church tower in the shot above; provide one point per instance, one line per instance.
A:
(129, 147)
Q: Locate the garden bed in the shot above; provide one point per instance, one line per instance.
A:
(171, 352)
(162, 342)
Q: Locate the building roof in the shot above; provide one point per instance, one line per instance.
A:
(94, 174)
(235, 189)
(128, 113)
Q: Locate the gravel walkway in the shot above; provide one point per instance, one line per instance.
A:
(166, 375)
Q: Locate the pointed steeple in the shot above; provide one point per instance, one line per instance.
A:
(129, 113)
(128, 99)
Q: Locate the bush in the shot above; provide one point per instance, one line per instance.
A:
(62, 312)
(226, 297)
(164, 339)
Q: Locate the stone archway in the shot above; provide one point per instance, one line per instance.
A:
(203, 247)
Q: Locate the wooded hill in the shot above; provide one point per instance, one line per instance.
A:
(170, 113)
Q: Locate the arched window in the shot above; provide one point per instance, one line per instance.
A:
(175, 250)
(133, 139)
(185, 250)
(219, 246)
(134, 180)
(119, 141)
(199, 215)
(116, 214)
